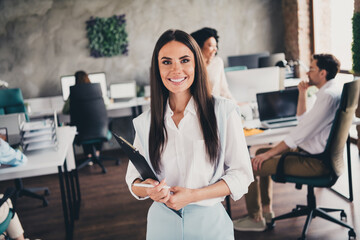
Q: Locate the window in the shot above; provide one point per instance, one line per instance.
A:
(333, 29)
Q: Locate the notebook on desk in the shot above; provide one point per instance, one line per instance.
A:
(278, 109)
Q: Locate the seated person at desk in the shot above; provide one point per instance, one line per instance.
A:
(14, 229)
(12, 157)
(81, 77)
(208, 39)
(310, 135)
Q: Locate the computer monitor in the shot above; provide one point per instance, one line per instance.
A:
(248, 60)
(69, 80)
(244, 84)
(123, 91)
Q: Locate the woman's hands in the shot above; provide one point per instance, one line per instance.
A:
(174, 197)
(158, 193)
(180, 197)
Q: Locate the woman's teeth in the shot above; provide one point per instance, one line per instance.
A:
(177, 80)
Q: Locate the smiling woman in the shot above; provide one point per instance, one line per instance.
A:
(176, 66)
(195, 144)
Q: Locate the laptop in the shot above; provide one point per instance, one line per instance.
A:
(278, 109)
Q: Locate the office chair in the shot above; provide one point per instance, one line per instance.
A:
(249, 60)
(10, 192)
(272, 60)
(332, 156)
(88, 113)
(11, 101)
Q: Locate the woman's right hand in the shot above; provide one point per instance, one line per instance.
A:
(157, 193)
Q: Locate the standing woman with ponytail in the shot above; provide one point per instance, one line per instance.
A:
(194, 143)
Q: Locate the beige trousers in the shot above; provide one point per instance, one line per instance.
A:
(260, 191)
(14, 229)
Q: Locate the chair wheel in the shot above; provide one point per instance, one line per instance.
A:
(46, 192)
(343, 215)
(45, 203)
(104, 171)
(352, 234)
(117, 162)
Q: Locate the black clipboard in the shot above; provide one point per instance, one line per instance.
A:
(139, 161)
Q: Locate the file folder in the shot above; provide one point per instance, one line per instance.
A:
(139, 161)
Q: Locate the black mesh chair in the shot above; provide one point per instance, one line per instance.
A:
(332, 157)
(88, 114)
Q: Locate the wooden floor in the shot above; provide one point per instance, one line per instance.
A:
(108, 210)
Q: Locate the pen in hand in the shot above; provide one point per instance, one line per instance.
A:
(147, 185)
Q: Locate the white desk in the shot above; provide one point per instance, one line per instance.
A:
(44, 107)
(50, 161)
(44, 162)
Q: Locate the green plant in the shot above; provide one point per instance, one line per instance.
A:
(356, 43)
(107, 36)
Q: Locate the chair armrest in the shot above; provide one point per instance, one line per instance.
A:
(280, 174)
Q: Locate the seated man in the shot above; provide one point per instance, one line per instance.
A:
(310, 135)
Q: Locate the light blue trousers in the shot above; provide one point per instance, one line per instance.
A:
(198, 222)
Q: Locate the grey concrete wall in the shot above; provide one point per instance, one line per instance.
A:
(41, 40)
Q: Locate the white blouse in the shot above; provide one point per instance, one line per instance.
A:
(185, 161)
(217, 78)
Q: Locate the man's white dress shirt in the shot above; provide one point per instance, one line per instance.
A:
(312, 132)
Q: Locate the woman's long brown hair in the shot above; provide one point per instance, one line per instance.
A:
(200, 92)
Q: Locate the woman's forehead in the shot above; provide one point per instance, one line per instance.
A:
(175, 49)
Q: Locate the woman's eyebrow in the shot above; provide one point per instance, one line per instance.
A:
(166, 58)
(185, 56)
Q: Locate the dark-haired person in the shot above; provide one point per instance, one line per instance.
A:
(310, 135)
(208, 40)
(195, 144)
(81, 77)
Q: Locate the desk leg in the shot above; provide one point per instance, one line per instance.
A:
(76, 195)
(139, 110)
(68, 193)
(64, 204)
(348, 155)
(134, 112)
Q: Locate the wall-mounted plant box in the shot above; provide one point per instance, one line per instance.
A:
(107, 36)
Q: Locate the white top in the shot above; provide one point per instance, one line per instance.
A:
(185, 162)
(216, 75)
(314, 126)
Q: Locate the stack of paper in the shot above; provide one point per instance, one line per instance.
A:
(38, 135)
